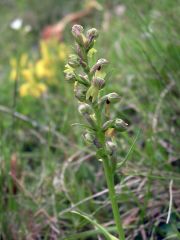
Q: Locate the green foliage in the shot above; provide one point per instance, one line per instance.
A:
(56, 169)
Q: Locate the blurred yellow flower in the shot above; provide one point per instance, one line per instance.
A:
(44, 69)
(44, 50)
(63, 52)
(32, 89)
(23, 60)
(28, 75)
(51, 55)
(13, 74)
(17, 65)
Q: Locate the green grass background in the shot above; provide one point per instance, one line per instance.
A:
(143, 48)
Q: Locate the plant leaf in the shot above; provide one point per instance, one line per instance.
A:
(119, 165)
(97, 225)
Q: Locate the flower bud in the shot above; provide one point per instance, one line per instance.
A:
(80, 92)
(108, 124)
(111, 147)
(74, 61)
(98, 83)
(120, 125)
(79, 51)
(84, 109)
(89, 137)
(77, 31)
(98, 65)
(70, 77)
(92, 34)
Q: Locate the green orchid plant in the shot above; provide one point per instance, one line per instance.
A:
(89, 80)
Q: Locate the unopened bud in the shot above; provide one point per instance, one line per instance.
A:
(77, 31)
(111, 147)
(84, 109)
(98, 65)
(108, 124)
(80, 92)
(120, 125)
(89, 137)
(74, 61)
(70, 77)
(92, 34)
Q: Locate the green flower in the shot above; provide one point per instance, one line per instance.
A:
(93, 91)
(108, 124)
(118, 124)
(85, 108)
(80, 92)
(98, 66)
(111, 147)
(68, 69)
(89, 137)
(91, 52)
(110, 98)
(70, 77)
(74, 61)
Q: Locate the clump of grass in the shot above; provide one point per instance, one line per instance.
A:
(89, 80)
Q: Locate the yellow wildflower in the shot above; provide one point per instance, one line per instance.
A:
(15, 65)
(43, 68)
(28, 74)
(44, 50)
(23, 60)
(39, 89)
(63, 52)
(24, 89)
(32, 89)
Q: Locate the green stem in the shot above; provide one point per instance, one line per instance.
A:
(112, 196)
(109, 176)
